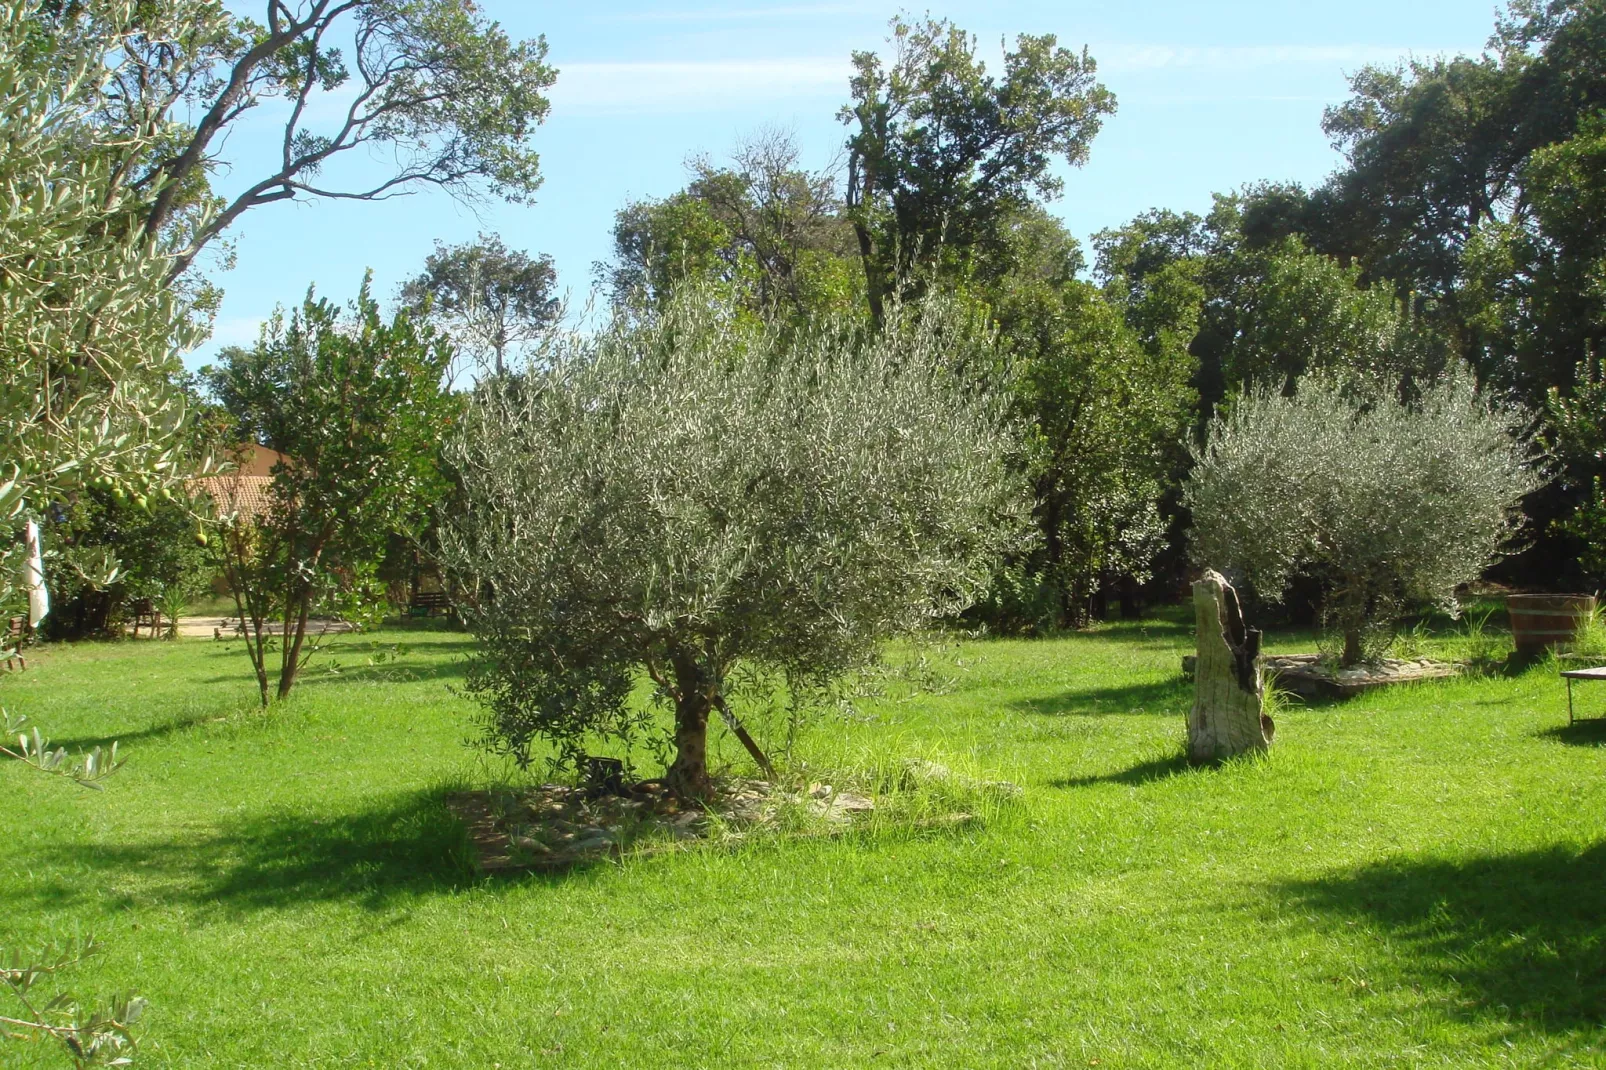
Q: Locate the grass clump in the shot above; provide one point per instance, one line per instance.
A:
(1590, 640)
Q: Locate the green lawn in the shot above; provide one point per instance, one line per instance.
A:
(1417, 878)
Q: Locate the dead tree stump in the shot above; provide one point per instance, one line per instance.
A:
(1229, 696)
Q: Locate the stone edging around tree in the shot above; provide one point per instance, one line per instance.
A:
(1306, 675)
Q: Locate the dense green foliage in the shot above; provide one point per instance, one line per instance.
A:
(1579, 420)
(716, 503)
(1389, 503)
(1101, 406)
(152, 542)
(357, 407)
(1415, 875)
(940, 152)
(1268, 309)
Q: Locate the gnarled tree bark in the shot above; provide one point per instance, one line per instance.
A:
(1229, 696)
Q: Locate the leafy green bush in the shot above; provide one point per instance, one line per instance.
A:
(1579, 420)
(357, 408)
(151, 546)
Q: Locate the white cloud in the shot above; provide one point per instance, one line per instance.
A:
(715, 85)
(732, 85)
(1135, 58)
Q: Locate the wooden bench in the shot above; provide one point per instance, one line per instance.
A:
(144, 611)
(429, 603)
(1598, 673)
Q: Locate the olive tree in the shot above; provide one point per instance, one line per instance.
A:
(89, 330)
(694, 496)
(1386, 501)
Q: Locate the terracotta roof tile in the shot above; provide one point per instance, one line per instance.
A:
(249, 496)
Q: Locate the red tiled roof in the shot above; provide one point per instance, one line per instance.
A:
(247, 490)
(251, 497)
(249, 459)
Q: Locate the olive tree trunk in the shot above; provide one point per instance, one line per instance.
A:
(1229, 696)
(695, 694)
(687, 776)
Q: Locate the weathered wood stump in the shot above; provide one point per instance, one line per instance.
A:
(1229, 695)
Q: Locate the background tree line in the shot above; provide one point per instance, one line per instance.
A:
(1463, 226)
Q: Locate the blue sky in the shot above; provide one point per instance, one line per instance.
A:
(1211, 96)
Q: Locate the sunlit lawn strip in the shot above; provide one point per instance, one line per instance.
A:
(1416, 875)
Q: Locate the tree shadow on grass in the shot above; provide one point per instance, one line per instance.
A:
(160, 730)
(1168, 697)
(350, 666)
(1142, 773)
(1523, 936)
(401, 846)
(394, 672)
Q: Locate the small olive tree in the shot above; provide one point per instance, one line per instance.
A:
(688, 493)
(1388, 502)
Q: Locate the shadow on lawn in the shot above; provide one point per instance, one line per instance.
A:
(160, 730)
(352, 663)
(351, 644)
(406, 845)
(1169, 697)
(1142, 773)
(1586, 733)
(1521, 935)
(392, 672)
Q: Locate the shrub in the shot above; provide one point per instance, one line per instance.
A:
(152, 546)
(699, 497)
(1387, 502)
(356, 406)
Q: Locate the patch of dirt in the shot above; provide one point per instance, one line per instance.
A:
(229, 628)
(554, 827)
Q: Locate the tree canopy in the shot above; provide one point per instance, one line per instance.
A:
(489, 298)
(714, 502)
(450, 97)
(764, 227)
(940, 151)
